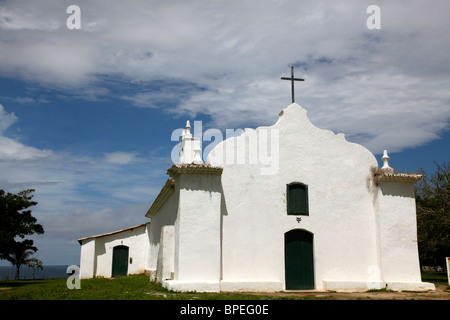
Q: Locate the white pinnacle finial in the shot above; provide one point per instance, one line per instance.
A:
(188, 129)
(386, 167)
(197, 156)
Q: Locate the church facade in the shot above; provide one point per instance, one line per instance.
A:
(285, 207)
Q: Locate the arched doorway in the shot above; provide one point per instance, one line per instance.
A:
(299, 260)
(119, 261)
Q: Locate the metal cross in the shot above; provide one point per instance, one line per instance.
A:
(292, 82)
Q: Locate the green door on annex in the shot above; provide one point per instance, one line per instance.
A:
(120, 261)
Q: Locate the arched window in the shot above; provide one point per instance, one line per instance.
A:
(297, 199)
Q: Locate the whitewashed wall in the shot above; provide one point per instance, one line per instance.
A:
(197, 250)
(87, 259)
(165, 217)
(341, 211)
(399, 256)
(96, 252)
(166, 254)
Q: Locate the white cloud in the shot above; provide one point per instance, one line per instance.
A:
(13, 150)
(69, 184)
(121, 157)
(6, 119)
(80, 222)
(21, 18)
(82, 196)
(369, 84)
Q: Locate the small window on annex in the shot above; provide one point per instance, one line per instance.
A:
(297, 199)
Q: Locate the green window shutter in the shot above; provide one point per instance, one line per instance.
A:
(297, 199)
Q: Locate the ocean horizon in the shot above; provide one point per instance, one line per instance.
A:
(26, 273)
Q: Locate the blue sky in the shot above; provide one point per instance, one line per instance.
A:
(86, 116)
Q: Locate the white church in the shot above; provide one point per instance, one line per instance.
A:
(285, 207)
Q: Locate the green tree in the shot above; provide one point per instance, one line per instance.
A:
(433, 215)
(16, 222)
(22, 257)
(34, 264)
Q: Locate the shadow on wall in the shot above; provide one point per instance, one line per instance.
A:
(397, 189)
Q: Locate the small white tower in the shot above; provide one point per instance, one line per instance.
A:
(386, 168)
(190, 147)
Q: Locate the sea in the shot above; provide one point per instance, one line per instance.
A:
(26, 273)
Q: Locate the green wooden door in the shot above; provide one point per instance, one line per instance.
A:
(298, 260)
(120, 261)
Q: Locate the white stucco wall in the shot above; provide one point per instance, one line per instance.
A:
(96, 252)
(341, 212)
(398, 236)
(166, 254)
(197, 252)
(87, 259)
(165, 217)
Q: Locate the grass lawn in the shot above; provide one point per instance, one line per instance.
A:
(135, 287)
(435, 277)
